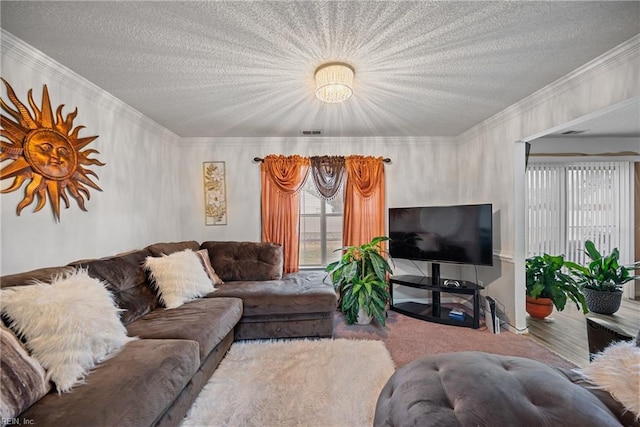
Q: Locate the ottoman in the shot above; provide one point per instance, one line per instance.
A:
(481, 389)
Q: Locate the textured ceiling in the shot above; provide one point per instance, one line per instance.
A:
(246, 68)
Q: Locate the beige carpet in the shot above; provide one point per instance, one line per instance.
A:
(323, 383)
(408, 339)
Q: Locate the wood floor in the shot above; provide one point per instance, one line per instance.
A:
(566, 333)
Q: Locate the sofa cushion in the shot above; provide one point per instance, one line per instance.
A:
(22, 377)
(131, 389)
(474, 388)
(206, 321)
(68, 325)
(301, 292)
(245, 260)
(126, 279)
(159, 249)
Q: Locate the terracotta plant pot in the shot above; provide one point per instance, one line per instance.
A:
(539, 308)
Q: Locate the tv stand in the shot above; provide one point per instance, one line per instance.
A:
(435, 312)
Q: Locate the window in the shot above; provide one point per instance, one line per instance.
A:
(320, 227)
(568, 204)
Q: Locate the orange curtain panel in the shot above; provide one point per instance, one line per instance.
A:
(364, 200)
(282, 178)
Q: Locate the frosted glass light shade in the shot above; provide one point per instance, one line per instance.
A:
(334, 82)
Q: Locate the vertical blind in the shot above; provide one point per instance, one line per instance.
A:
(569, 203)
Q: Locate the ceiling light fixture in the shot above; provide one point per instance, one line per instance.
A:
(334, 82)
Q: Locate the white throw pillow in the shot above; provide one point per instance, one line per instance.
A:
(179, 277)
(617, 370)
(68, 325)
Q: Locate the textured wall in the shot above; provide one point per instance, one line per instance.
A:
(138, 204)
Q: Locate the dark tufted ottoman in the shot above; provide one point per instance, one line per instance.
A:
(481, 389)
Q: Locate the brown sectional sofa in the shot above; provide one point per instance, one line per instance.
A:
(154, 380)
(269, 309)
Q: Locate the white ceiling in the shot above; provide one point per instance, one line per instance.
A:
(246, 68)
(622, 122)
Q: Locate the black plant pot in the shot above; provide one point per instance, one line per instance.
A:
(602, 302)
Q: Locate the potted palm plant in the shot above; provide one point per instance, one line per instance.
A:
(360, 279)
(602, 280)
(548, 286)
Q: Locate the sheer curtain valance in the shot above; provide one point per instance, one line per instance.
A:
(327, 173)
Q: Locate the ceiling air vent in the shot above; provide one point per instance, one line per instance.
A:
(573, 132)
(311, 132)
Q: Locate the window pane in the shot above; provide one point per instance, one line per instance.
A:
(335, 205)
(310, 241)
(320, 227)
(334, 237)
(311, 201)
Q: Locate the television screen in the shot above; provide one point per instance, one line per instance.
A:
(456, 234)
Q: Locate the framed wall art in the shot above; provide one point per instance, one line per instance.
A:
(215, 197)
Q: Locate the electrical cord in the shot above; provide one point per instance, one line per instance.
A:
(419, 269)
(476, 268)
(502, 321)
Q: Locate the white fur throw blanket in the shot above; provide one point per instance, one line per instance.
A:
(617, 370)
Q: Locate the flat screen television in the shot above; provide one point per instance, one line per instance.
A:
(454, 234)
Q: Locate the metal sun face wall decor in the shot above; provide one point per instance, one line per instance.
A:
(45, 150)
(215, 201)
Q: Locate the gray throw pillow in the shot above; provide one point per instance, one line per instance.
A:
(22, 377)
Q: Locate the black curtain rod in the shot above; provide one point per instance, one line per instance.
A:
(260, 160)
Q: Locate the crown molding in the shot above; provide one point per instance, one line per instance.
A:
(12, 46)
(609, 59)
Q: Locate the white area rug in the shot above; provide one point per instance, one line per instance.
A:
(324, 383)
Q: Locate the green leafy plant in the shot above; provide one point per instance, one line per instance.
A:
(603, 273)
(545, 279)
(369, 293)
(360, 278)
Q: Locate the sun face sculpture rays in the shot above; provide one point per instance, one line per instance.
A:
(45, 149)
